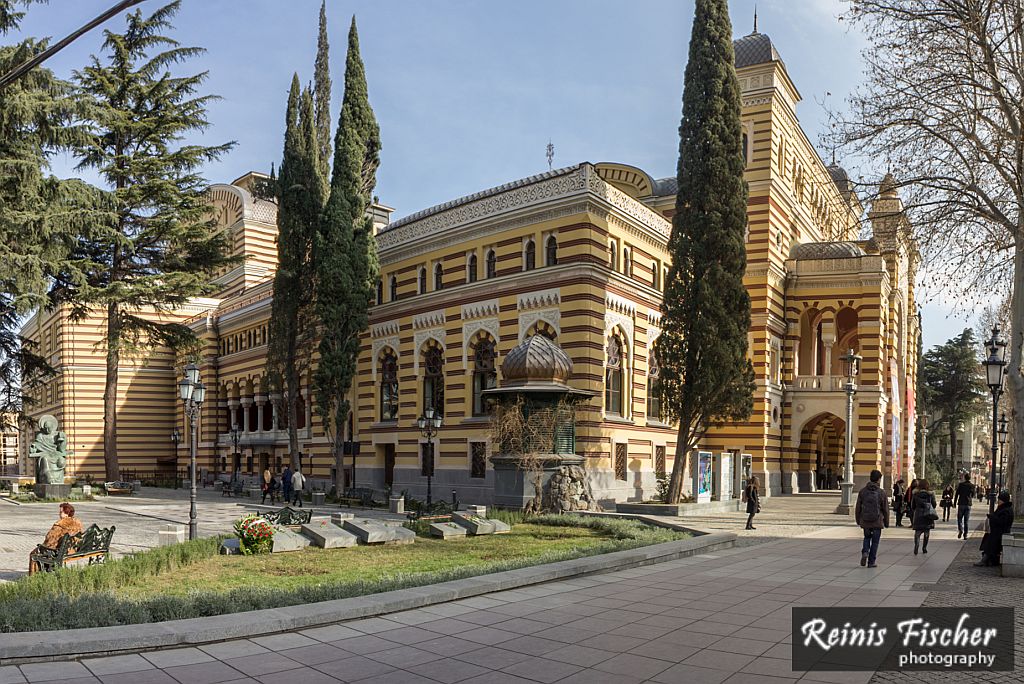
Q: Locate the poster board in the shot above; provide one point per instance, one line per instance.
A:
(724, 476)
(703, 476)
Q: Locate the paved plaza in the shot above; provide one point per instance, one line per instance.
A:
(721, 617)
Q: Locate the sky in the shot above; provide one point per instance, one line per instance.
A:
(468, 93)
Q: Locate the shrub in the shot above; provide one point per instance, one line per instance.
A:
(255, 534)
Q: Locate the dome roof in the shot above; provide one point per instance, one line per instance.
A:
(756, 48)
(536, 360)
(839, 177)
(827, 250)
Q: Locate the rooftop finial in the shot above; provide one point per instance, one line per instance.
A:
(755, 18)
(550, 153)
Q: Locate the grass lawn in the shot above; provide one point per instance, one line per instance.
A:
(191, 580)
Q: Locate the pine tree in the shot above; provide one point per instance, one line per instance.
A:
(301, 192)
(322, 95)
(39, 214)
(706, 376)
(156, 245)
(346, 261)
(952, 389)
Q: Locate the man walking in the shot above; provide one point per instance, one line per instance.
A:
(286, 483)
(298, 482)
(872, 514)
(962, 500)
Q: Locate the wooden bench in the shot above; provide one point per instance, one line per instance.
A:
(232, 488)
(289, 516)
(360, 496)
(90, 546)
(118, 488)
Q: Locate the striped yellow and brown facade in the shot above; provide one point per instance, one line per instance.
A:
(577, 254)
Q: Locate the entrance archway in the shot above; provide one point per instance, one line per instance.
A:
(822, 450)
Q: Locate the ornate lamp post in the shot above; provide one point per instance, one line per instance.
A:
(924, 445)
(1004, 433)
(192, 393)
(176, 440)
(995, 366)
(429, 424)
(851, 365)
(236, 460)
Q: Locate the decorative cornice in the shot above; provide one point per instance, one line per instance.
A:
(620, 304)
(539, 299)
(385, 329)
(483, 309)
(430, 319)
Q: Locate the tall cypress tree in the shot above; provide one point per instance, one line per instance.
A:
(39, 214)
(706, 376)
(322, 95)
(346, 256)
(300, 199)
(156, 245)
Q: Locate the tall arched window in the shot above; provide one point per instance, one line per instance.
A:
(471, 268)
(627, 262)
(394, 288)
(423, 280)
(551, 251)
(438, 277)
(656, 276)
(388, 386)
(433, 380)
(529, 256)
(613, 255)
(380, 291)
(653, 398)
(614, 378)
(484, 375)
(491, 264)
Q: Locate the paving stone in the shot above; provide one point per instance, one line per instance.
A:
(141, 677)
(279, 642)
(542, 670)
(316, 654)
(493, 657)
(353, 668)
(450, 671)
(579, 655)
(303, 676)
(9, 674)
(203, 673)
(263, 663)
(224, 650)
(691, 675)
(117, 664)
(405, 657)
(177, 656)
(42, 672)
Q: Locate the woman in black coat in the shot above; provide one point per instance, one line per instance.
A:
(753, 502)
(922, 508)
(1000, 522)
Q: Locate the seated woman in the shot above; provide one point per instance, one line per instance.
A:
(1000, 522)
(67, 523)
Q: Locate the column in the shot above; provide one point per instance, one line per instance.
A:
(246, 423)
(309, 409)
(275, 402)
(261, 401)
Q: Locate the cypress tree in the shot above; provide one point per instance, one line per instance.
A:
(346, 263)
(322, 95)
(706, 377)
(156, 245)
(300, 199)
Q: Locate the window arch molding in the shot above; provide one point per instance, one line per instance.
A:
(491, 264)
(551, 250)
(484, 370)
(617, 375)
(393, 287)
(387, 404)
(529, 254)
(438, 276)
(472, 272)
(432, 368)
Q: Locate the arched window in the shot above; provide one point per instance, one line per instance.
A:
(627, 262)
(614, 378)
(492, 264)
(380, 291)
(388, 386)
(438, 277)
(423, 280)
(613, 255)
(551, 251)
(471, 268)
(653, 398)
(484, 375)
(656, 276)
(394, 288)
(433, 380)
(529, 256)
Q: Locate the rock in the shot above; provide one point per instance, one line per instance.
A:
(327, 535)
(447, 530)
(569, 490)
(231, 547)
(285, 540)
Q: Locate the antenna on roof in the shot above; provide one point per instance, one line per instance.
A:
(755, 17)
(550, 153)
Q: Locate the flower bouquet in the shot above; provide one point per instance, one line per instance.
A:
(255, 534)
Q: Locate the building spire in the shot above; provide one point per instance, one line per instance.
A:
(755, 18)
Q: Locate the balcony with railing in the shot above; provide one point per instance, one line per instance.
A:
(826, 383)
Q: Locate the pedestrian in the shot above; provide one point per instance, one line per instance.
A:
(962, 499)
(828, 476)
(268, 491)
(872, 514)
(1000, 522)
(908, 497)
(286, 483)
(897, 501)
(66, 523)
(980, 490)
(750, 495)
(947, 503)
(923, 513)
(298, 482)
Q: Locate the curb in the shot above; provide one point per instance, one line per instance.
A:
(26, 647)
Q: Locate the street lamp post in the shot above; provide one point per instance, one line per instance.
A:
(192, 393)
(236, 460)
(995, 366)
(924, 446)
(1003, 435)
(176, 440)
(851, 364)
(429, 424)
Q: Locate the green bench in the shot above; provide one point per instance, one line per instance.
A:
(289, 516)
(360, 496)
(232, 488)
(90, 546)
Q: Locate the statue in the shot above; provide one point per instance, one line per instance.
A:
(50, 451)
